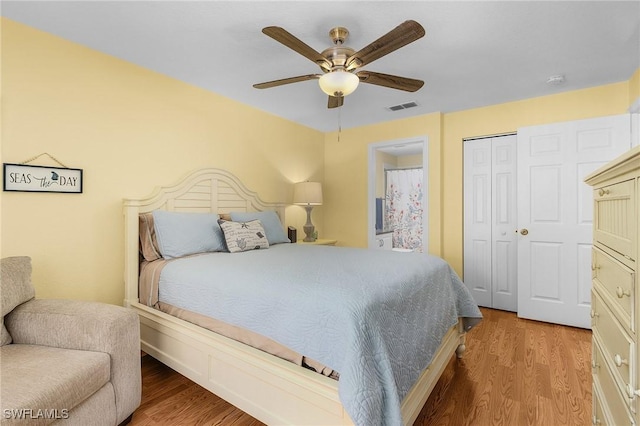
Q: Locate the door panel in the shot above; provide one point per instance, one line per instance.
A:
(555, 206)
(477, 218)
(545, 196)
(584, 275)
(490, 219)
(545, 282)
(504, 219)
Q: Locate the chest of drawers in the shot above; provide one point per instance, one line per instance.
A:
(615, 298)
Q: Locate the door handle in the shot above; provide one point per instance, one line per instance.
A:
(524, 231)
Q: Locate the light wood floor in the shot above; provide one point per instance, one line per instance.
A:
(514, 372)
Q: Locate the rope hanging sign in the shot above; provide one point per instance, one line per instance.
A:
(23, 177)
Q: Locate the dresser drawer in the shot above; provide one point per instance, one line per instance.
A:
(617, 346)
(616, 281)
(599, 416)
(614, 221)
(611, 402)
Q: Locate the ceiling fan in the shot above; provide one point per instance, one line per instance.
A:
(340, 63)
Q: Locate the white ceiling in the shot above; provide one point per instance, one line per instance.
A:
(475, 53)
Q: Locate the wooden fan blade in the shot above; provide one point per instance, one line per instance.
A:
(403, 34)
(335, 101)
(292, 42)
(289, 80)
(391, 81)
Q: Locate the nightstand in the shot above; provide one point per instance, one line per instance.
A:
(320, 242)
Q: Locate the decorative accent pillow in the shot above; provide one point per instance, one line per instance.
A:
(148, 241)
(244, 236)
(181, 234)
(270, 221)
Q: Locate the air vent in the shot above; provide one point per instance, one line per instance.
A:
(402, 106)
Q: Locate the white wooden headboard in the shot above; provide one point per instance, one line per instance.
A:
(205, 190)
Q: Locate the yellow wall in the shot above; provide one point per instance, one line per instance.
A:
(581, 104)
(383, 159)
(346, 174)
(634, 88)
(346, 160)
(129, 129)
(410, 160)
(389, 160)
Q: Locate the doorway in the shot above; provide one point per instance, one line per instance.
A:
(405, 154)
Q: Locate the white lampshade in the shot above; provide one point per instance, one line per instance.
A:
(307, 194)
(338, 83)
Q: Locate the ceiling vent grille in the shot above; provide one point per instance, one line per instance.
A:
(402, 106)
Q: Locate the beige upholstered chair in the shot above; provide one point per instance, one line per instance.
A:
(64, 361)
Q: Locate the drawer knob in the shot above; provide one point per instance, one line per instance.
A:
(620, 292)
(603, 191)
(619, 361)
(632, 392)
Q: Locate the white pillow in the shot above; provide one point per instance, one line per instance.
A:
(182, 234)
(244, 236)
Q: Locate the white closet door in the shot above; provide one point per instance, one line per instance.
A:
(477, 220)
(504, 217)
(555, 207)
(490, 221)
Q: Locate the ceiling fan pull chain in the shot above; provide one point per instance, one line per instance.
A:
(339, 123)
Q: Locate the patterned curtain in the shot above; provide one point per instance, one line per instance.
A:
(403, 212)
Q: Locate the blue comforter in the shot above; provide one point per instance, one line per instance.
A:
(376, 317)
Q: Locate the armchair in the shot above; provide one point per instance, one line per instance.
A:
(64, 360)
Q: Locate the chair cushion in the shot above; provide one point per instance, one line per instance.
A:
(42, 377)
(16, 287)
(5, 337)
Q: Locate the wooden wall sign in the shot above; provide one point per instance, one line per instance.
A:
(25, 178)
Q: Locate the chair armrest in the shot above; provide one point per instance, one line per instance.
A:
(90, 326)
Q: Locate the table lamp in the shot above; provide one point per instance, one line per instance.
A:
(308, 194)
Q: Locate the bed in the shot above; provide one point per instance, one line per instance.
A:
(268, 386)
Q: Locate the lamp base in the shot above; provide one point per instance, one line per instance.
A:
(308, 227)
(309, 234)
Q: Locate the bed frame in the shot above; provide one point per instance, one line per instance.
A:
(268, 388)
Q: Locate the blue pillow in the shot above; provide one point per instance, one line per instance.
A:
(182, 234)
(270, 222)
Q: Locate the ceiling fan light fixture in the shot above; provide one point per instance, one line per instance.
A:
(338, 83)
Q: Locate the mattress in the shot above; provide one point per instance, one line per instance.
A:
(150, 273)
(377, 317)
